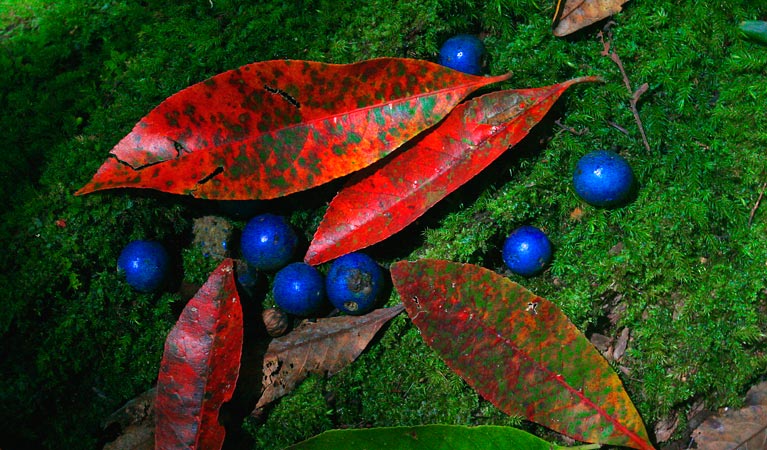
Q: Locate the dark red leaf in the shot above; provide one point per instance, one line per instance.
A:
(272, 128)
(371, 208)
(518, 350)
(200, 365)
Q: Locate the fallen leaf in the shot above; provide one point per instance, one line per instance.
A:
(432, 437)
(666, 428)
(322, 347)
(272, 128)
(136, 422)
(621, 344)
(743, 429)
(378, 204)
(200, 366)
(572, 15)
(518, 350)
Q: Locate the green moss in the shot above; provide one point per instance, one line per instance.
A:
(680, 266)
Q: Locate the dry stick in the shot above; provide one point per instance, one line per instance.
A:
(634, 94)
(756, 205)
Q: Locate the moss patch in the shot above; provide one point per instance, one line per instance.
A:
(680, 266)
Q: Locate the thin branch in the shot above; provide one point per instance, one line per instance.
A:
(607, 51)
(756, 205)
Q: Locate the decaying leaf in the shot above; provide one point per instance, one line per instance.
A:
(742, 429)
(322, 347)
(135, 421)
(518, 350)
(573, 15)
(200, 365)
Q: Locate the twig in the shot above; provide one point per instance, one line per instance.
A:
(606, 41)
(572, 130)
(618, 127)
(756, 205)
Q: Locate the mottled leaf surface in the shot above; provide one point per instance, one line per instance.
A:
(323, 347)
(272, 128)
(382, 202)
(518, 350)
(431, 437)
(200, 366)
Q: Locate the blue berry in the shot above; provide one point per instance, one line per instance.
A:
(353, 283)
(299, 289)
(603, 178)
(526, 251)
(465, 53)
(145, 265)
(268, 242)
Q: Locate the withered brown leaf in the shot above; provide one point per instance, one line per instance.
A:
(322, 347)
(744, 428)
(577, 14)
(135, 422)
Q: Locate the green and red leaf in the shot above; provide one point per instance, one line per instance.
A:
(382, 202)
(200, 366)
(518, 350)
(272, 128)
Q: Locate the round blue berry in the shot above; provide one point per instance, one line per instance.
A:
(299, 289)
(145, 265)
(603, 178)
(465, 53)
(353, 283)
(268, 242)
(526, 251)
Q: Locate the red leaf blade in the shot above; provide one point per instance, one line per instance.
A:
(200, 366)
(272, 128)
(473, 135)
(518, 350)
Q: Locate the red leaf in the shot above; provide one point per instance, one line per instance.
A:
(199, 368)
(518, 350)
(272, 128)
(474, 134)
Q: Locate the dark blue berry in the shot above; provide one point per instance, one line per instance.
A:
(464, 52)
(268, 242)
(145, 265)
(527, 251)
(353, 283)
(603, 178)
(299, 289)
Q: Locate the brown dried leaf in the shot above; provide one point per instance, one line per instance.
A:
(742, 429)
(577, 14)
(620, 345)
(323, 347)
(135, 420)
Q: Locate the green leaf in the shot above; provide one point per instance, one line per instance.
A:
(518, 350)
(431, 437)
(756, 30)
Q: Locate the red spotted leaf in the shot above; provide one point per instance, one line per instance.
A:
(200, 365)
(272, 128)
(518, 350)
(373, 207)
